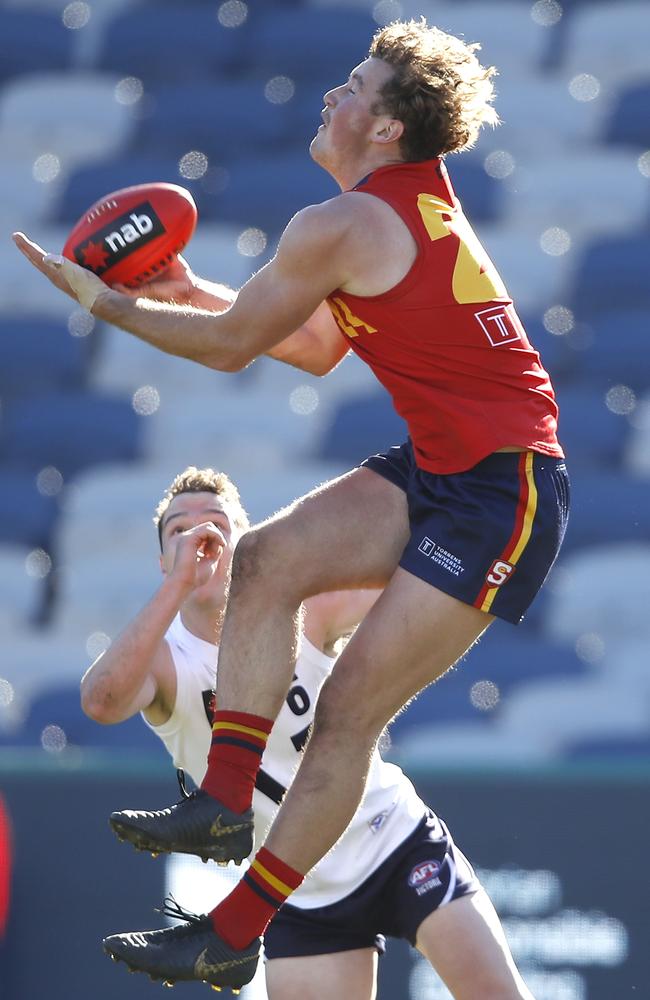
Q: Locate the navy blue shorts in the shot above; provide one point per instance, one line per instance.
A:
(425, 872)
(487, 536)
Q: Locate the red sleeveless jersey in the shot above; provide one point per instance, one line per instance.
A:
(446, 341)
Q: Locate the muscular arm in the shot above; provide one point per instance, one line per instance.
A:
(316, 347)
(277, 311)
(136, 673)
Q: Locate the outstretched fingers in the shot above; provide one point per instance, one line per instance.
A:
(37, 256)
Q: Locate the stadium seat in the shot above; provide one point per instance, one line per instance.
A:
(561, 124)
(22, 288)
(221, 119)
(606, 507)
(158, 43)
(618, 352)
(74, 115)
(89, 183)
(603, 589)
(448, 700)
(501, 659)
(611, 270)
(105, 600)
(567, 191)
(521, 47)
(512, 657)
(28, 204)
(555, 352)
(627, 123)
(481, 196)
(61, 707)
(534, 279)
(33, 41)
(307, 42)
(608, 41)
(20, 593)
(637, 454)
(62, 360)
(360, 427)
(620, 749)
(590, 433)
(477, 743)
(27, 516)
(559, 712)
(265, 191)
(69, 431)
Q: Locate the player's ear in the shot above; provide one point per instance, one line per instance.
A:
(389, 130)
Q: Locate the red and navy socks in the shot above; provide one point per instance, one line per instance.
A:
(238, 742)
(247, 911)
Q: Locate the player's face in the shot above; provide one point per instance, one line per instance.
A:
(187, 510)
(349, 121)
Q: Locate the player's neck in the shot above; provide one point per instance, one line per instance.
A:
(349, 175)
(203, 622)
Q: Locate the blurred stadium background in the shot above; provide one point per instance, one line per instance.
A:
(538, 749)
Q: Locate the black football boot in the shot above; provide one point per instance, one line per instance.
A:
(198, 824)
(191, 951)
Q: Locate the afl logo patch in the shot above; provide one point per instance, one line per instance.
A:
(423, 872)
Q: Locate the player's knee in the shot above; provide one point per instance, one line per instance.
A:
(340, 715)
(262, 556)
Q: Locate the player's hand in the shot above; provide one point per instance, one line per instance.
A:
(176, 284)
(75, 281)
(198, 551)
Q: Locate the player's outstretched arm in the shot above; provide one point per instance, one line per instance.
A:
(136, 673)
(316, 347)
(310, 263)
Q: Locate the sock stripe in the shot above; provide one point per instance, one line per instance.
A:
(247, 730)
(244, 744)
(269, 877)
(266, 896)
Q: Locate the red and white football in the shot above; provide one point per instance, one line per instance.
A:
(133, 235)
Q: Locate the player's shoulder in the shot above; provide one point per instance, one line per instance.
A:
(336, 216)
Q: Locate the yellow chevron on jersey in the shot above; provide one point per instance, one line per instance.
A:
(349, 323)
(475, 278)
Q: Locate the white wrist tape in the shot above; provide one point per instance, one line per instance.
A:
(86, 285)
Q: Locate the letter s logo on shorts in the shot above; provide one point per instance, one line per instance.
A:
(423, 872)
(499, 572)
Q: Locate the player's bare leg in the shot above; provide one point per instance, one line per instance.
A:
(351, 533)
(465, 943)
(349, 974)
(411, 636)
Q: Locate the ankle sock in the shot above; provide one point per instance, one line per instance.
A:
(238, 742)
(247, 911)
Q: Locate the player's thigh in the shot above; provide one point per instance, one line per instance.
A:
(409, 638)
(465, 943)
(348, 533)
(349, 974)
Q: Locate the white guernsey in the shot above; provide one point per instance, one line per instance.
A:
(390, 809)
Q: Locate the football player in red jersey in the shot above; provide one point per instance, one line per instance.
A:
(460, 524)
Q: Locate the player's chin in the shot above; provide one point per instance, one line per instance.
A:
(315, 147)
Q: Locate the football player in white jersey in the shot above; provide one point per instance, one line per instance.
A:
(396, 871)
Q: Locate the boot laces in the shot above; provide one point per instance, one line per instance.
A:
(172, 908)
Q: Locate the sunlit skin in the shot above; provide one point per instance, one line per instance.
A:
(206, 563)
(353, 135)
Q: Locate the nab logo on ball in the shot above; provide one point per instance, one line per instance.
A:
(119, 238)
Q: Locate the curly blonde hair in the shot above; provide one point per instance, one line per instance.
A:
(439, 90)
(193, 480)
